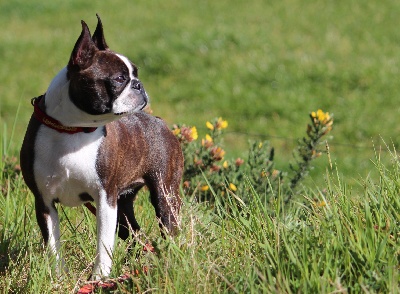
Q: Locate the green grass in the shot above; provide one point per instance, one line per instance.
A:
(263, 66)
(331, 240)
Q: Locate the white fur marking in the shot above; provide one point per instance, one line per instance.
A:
(106, 224)
(128, 100)
(65, 165)
(128, 65)
(54, 239)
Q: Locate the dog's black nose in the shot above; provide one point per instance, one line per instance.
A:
(137, 85)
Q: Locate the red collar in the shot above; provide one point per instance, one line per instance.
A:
(54, 124)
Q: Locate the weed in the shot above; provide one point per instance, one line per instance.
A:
(207, 172)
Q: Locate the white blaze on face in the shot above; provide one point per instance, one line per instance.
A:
(128, 101)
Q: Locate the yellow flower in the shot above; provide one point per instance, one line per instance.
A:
(221, 124)
(204, 188)
(188, 134)
(322, 204)
(232, 187)
(176, 131)
(209, 126)
(322, 116)
(217, 153)
(225, 164)
(207, 142)
(313, 114)
(319, 204)
(194, 134)
(260, 145)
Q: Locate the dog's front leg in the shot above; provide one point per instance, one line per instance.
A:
(106, 223)
(49, 224)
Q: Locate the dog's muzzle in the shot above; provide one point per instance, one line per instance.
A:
(138, 86)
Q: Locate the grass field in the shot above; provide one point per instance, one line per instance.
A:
(262, 66)
(330, 242)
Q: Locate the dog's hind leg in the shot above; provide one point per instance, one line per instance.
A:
(126, 216)
(164, 193)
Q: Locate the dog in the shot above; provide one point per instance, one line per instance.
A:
(88, 140)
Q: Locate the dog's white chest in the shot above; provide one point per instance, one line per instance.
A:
(65, 165)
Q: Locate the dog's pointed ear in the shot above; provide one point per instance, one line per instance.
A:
(84, 50)
(98, 36)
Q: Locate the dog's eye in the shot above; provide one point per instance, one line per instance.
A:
(120, 79)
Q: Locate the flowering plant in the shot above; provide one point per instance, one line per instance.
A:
(307, 149)
(207, 172)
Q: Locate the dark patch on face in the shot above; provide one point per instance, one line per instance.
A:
(95, 88)
(85, 197)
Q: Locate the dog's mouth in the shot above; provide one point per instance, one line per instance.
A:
(121, 113)
(141, 107)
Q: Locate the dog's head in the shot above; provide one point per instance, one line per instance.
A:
(97, 85)
(102, 81)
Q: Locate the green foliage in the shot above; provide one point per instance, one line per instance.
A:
(308, 147)
(335, 241)
(207, 173)
(259, 64)
(256, 63)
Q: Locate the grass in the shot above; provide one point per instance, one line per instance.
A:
(263, 67)
(330, 241)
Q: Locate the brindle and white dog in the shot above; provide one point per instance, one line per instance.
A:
(89, 140)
